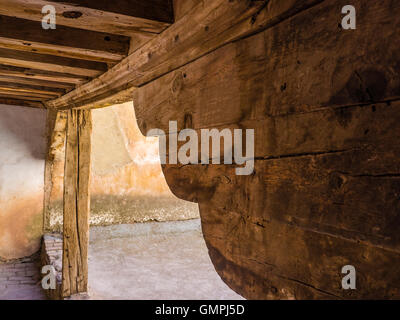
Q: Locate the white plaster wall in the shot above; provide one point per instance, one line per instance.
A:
(22, 154)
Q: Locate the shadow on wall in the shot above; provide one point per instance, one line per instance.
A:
(25, 125)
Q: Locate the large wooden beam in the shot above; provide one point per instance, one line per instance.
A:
(124, 17)
(27, 35)
(51, 63)
(76, 202)
(208, 26)
(324, 103)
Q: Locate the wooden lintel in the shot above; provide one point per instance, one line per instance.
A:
(76, 202)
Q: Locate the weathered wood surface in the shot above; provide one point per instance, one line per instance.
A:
(324, 103)
(31, 88)
(14, 101)
(76, 202)
(56, 125)
(27, 35)
(182, 7)
(11, 93)
(51, 63)
(90, 37)
(36, 74)
(208, 26)
(35, 82)
(116, 17)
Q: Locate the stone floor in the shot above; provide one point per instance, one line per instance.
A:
(159, 261)
(19, 280)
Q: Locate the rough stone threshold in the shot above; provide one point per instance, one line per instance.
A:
(51, 252)
(152, 260)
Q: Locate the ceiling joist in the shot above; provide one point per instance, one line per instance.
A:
(36, 82)
(51, 63)
(89, 37)
(37, 74)
(19, 102)
(26, 35)
(124, 17)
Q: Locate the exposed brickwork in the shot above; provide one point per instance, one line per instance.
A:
(20, 279)
(51, 254)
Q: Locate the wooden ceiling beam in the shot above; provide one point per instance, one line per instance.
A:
(51, 63)
(183, 42)
(37, 82)
(22, 103)
(31, 73)
(154, 10)
(22, 96)
(27, 35)
(123, 17)
(31, 88)
(31, 93)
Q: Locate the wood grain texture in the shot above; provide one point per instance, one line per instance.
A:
(37, 74)
(324, 103)
(185, 41)
(51, 63)
(36, 82)
(16, 101)
(26, 35)
(97, 15)
(154, 10)
(22, 94)
(76, 202)
(22, 87)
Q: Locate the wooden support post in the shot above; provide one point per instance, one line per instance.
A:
(76, 202)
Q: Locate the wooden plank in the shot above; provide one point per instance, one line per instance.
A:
(54, 166)
(22, 103)
(76, 202)
(26, 35)
(309, 267)
(30, 81)
(182, 7)
(324, 103)
(51, 63)
(154, 10)
(32, 88)
(24, 94)
(37, 74)
(20, 96)
(346, 201)
(183, 42)
(245, 80)
(130, 16)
